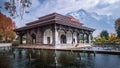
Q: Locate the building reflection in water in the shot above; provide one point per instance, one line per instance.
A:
(31, 58)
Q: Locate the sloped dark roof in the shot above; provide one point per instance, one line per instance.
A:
(54, 18)
(73, 19)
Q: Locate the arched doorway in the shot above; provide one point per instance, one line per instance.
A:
(22, 38)
(61, 36)
(47, 36)
(33, 36)
(63, 39)
(81, 37)
(69, 37)
(85, 38)
(74, 37)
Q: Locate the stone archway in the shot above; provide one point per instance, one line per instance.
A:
(61, 34)
(81, 38)
(74, 38)
(22, 38)
(69, 37)
(63, 39)
(85, 38)
(33, 36)
(47, 38)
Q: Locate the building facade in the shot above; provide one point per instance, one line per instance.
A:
(55, 29)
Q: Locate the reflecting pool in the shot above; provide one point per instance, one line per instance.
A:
(30, 58)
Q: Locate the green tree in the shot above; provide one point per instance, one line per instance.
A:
(117, 24)
(24, 37)
(118, 32)
(103, 39)
(104, 34)
(98, 39)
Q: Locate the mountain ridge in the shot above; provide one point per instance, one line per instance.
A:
(94, 20)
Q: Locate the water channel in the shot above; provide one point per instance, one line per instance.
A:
(31, 58)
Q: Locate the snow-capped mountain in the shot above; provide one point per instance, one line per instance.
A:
(94, 20)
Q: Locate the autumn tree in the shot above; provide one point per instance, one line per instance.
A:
(104, 34)
(6, 27)
(11, 34)
(112, 37)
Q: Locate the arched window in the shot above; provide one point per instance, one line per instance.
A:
(63, 38)
(33, 36)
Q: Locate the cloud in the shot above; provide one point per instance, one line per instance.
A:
(107, 7)
(41, 8)
(49, 6)
(64, 6)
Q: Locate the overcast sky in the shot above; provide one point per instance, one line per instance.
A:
(43, 7)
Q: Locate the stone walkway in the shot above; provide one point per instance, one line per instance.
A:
(51, 47)
(5, 44)
(73, 49)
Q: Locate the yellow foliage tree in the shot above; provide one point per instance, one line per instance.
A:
(112, 37)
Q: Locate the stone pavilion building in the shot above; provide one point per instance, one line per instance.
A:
(55, 29)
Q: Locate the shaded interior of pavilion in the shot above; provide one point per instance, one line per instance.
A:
(62, 37)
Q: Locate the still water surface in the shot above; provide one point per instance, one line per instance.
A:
(29, 58)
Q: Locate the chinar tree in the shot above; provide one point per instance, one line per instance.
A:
(118, 32)
(117, 27)
(6, 28)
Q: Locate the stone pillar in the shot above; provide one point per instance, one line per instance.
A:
(83, 38)
(53, 36)
(87, 38)
(90, 39)
(28, 38)
(72, 37)
(77, 37)
(56, 36)
(20, 39)
(38, 37)
(41, 36)
(66, 37)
